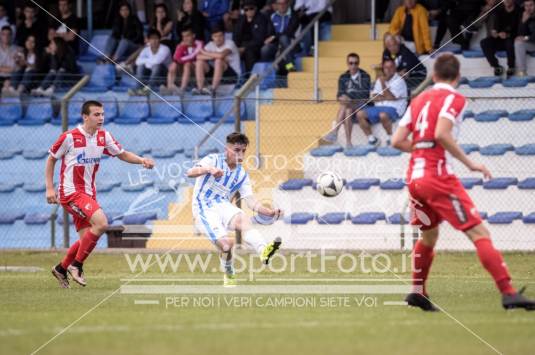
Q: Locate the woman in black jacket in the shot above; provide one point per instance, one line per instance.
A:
(62, 64)
(126, 35)
(30, 63)
(189, 17)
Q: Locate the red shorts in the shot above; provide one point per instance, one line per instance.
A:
(81, 207)
(442, 198)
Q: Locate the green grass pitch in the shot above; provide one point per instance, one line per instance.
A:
(33, 310)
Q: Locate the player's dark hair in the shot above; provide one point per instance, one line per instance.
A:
(187, 29)
(353, 55)
(154, 33)
(86, 107)
(388, 59)
(217, 29)
(237, 138)
(447, 67)
(7, 28)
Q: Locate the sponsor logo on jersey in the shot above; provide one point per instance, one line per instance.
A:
(88, 207)
(81, 159)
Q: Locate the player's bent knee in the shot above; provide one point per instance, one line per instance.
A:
(478, 232)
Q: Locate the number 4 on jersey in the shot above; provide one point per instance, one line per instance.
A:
(421, 121)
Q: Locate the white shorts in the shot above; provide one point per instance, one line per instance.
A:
(214, 221)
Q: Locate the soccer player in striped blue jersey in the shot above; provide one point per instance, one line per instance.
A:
(219, 178)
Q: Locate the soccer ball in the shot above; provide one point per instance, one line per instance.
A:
(329, 184)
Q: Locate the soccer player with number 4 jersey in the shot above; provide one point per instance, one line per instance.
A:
(434, 119)
(80, 151)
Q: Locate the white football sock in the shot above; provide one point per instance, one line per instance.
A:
(226, 264)
(255, 240)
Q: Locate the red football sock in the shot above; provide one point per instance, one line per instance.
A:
(87, 244)
(422, 258)
(71, 253)
(492, 260)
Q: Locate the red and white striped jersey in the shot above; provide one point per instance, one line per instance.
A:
(80, 155)
(429, 159)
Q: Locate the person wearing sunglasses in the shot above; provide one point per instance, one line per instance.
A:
(353, 94)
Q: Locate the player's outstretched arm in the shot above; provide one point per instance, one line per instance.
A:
(445, 138)
(197, 171)
(256, 206)
(51, 196)
(132, 158)
(401, 140)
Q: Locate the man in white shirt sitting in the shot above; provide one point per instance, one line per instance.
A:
(152, 63)
(390, 96)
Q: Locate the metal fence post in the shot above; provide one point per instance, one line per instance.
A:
(316, 61)
(373, 21)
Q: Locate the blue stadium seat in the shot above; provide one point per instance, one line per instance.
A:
(126, 83)
(6, 154)
(469, 148)
(504, 217)
(10, 110)
(496, 149)
(135, 110)
(299, 218)
(468, 114)
(34, 187)
(74, 112)
(483, 82)
(332, 218)
(269, 81)
(529, 219)
(36, 218)
(196, 109)
(221, 106)
(522, 115)
(103, 187)
(102, 78)
(34, 154)
(500, 183)
(295, 184)
(392, 184)
(368, 218)
(526, 149)
(388, 152)
(515, 82)
(139, 218)
(527, 184)
(167, 186)
(114, 217)
(468, 183)
(59, 219)
(127, 187)
(473, 54)
(501, 54)
(99, 42)
(363, 184)
(6, 187)
(165, 112)
(326, 151)
(396, 218)
(162, 153)
(9, 217)
(483, 215)
(491, 115)
(359, 150)
(39, 112)
(111, 109)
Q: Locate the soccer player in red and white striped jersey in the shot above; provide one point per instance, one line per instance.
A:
(434, 119)
(80, 151)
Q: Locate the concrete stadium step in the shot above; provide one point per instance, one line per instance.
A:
(326, 93)
(339, 65)
(343, 48)
(360, 32)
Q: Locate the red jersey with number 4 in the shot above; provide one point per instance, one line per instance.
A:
(80, 155)
(429, 159)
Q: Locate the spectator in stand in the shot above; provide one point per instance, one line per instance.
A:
(70, 26)
(251, 35)
(406, 61)
(439, 12)
(8, 52)
(284, 24)
(213, 12)
(190, 17)
(390, 96)
(152, 63)
(502, 37)
(463, 14)
(306, 10)
(220, 58)
(4, 18)
(184, 61)
(353, 93)
(126, 35)
(31, 25)
(29, 63)
(411, 22)
(526, 37)
(62, 63)
(163, 24)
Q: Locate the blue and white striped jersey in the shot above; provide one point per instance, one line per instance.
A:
(209, 190)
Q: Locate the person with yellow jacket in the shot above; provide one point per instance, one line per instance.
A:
(411, 21)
